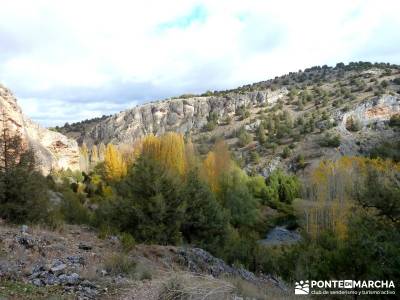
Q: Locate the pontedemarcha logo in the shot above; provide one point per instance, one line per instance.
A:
(302, 287)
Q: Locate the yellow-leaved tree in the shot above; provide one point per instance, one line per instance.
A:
(331, 188)
(151, 147)
(94, 156)
(217, 163)
(114, 166)
(84, 158)
(173, 154)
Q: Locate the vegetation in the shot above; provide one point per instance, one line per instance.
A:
(162, 191)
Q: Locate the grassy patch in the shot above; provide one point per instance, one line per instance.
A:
(11, 290)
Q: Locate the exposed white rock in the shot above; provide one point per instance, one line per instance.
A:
(53, 150)
(376, 110)
(181, 115)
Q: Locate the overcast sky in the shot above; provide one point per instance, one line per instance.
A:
(71, 60)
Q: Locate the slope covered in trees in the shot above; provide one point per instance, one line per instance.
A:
(206, 191)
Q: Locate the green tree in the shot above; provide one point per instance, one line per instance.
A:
(261, 136)
(205, 223)
(155, 207)
(238, 199)
(23, 189)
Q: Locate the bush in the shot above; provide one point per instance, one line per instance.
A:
(212, 121)
(244, 137)
(72, 208)
(330, 140)
(127, 241)
(119, 264)
(286, 152)
(353, 124)
(394, 120)
(386, 150)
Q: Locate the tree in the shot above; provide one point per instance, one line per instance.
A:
(353, 124)
(114, 166)
(217, 164)
(262, 138)
(173, 155)
(23, 190)
(102, 151)
(282, 187)
(84, 158)
(154, 206)
(237, 198)
(205, 223)
(94, 157)
(244, 137)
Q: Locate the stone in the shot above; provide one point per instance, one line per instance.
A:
(24, 229)
(280, 235)
(73, 279)
(26, 241)
(52, 150)
(37, 282)
(181, 115)
(51, 279)
(58, 269)
(84, 246)
(76, 260)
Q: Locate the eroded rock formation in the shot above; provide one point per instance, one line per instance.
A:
(180, 115)
(52, 149)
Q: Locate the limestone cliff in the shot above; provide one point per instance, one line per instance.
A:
(52, 149)
(181, 115)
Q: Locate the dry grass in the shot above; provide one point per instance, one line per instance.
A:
(119, 264)
(195, 287)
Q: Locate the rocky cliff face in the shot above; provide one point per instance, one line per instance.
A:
(52, 150)
(179, 115)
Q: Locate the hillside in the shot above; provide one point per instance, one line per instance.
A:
(73, 263)
(291, 121)
(227, 195)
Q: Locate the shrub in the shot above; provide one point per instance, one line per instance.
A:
(353, 124)
(212, 120)
(119, 264)
(286, 152)
(255, 157)
(127, 241)
(394, 120)
(330, 140)
(244, 137)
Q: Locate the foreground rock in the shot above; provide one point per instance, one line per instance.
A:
(61, 264)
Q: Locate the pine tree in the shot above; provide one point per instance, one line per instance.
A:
(154, 206)
(23, 190)
(205, 223)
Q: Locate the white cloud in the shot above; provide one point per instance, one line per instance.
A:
(58, 54)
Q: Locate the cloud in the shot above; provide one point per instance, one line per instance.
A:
(77, 59)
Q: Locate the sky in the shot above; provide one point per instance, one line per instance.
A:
(72, 60)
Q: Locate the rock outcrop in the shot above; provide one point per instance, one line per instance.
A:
(53, 151)
(181, 115)
(375, 111)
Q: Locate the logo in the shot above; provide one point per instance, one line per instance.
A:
(302, 287)
(344, 287)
